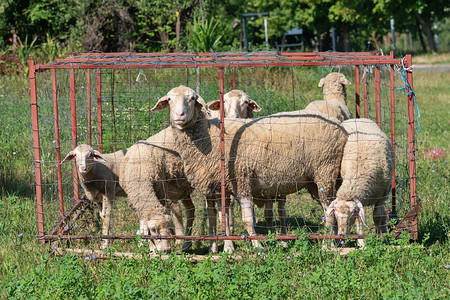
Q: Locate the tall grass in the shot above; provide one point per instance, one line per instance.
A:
(421, 270)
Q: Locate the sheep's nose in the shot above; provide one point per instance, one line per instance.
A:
(83, 168)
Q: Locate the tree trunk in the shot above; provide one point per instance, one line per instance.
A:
(419, 33)
(346, 36)
(426, 24)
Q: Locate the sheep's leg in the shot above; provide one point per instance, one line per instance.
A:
(212, 213)
(282, 214)
(105, 215)
(230, 211)
(247, 218)
(380, 219)
(359, 231)
(190, 215)
(177, 214)
(228, 244)
(268, 214)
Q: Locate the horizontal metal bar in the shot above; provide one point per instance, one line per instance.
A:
(220, 65)
(206, 237)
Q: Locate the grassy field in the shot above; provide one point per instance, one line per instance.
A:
(385, 270)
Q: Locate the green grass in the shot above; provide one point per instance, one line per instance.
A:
(419, 270)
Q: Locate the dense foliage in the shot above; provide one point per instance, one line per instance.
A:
(152, 26)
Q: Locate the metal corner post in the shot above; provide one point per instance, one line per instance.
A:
(36, 152)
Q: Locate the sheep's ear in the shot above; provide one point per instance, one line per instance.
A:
(321, 82)
(71, 155)
(254, 106)
(343, 80)
(362, 214)
(200, 101)
(98, 155)
(330, 208)
(213, 105)
(161, 104)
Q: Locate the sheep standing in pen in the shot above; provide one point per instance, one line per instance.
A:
(335, 97)
(99, 178)
(100, 174)
(273, 155)
(153, 178)
(238, 105)
(366, 172)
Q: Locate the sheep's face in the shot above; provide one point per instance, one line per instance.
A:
(84, 157)
(182, 102)
(160, 226)
(237, 104)
(345, 213)
(334, 85)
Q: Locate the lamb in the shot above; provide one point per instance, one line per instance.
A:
(98, 174)
(335, 97)
(152, 176)
(273, 155)
(99, 177)
(366, 172)
(237, 104)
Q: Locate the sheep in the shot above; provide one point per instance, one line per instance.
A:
(335, 97)
(152, 176)
(273, 155)
(98, 175)
(366, 171)
(237, 104)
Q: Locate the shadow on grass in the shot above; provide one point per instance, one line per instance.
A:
(438, 228)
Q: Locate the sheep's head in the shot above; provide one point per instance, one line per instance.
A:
(159, 226)
(334, 86)
(183, 101)
(345, 213)
(237, 104)
(84, 156)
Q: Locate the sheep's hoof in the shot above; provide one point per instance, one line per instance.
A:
(361, 243)
(228, 247)
(284, 244)
(213, 247)
(104, 245)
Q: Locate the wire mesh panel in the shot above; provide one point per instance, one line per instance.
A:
(105, 100)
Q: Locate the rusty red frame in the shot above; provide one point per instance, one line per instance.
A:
(125, 60)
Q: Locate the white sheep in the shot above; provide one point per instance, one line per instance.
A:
(237, 104)
(98, 174)
(273, 155)
(335, 97)
(366, 172)
(152, 176)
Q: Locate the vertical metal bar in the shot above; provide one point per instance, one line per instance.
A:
(36, 152)
(222, 151)
(99, 110)
(412, 146)
(357, 93)
(293, 87)
(234, 78)
(73, 113)
(365, 90)
(377, 96)
(57, 143)
(89, 117)
(394, 204)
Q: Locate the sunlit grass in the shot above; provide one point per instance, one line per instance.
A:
(302, 271)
